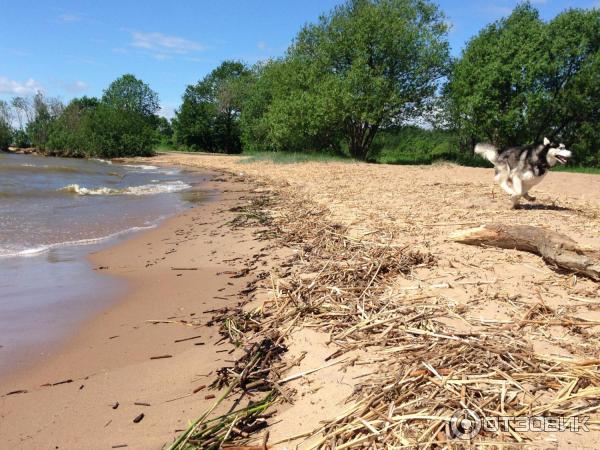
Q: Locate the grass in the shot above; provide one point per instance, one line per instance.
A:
(162, 147)
(293, 157)
(405, 146)
(427, 158)
(577, 169)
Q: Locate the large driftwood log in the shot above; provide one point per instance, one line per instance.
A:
(556, 249)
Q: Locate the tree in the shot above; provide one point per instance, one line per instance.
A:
(521, 79)
(45, 111)
(6, 132)
(90, 128)
(367, 65)
(23, 110)
(208, 117)
(284, 111)
(68, 135)
(133, 95)
(164, 130)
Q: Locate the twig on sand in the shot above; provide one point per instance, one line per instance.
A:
(308, 372)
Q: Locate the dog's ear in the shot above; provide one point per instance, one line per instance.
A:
(546, 141)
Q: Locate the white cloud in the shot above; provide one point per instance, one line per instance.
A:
(75, 87)
(160, 56)
(161, 45)
(8, 86)
(262, 45)
(69, 18)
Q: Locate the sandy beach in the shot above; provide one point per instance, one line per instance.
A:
(71, 398)
(152, 352)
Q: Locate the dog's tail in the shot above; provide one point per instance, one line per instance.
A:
(487, 151)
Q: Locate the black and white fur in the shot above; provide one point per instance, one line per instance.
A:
(518, 169)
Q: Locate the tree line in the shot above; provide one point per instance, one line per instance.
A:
(368, 75)
(373, 71)
(122, 122)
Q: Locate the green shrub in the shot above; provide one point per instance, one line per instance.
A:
(21, 139)
(414, 145)
(6, 136)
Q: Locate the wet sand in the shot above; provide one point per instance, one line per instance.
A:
(70, 399)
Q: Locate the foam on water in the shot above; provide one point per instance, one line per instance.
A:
(35, 251)
(146, 189)
(53, 212)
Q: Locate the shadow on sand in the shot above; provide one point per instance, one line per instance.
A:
(542, 207)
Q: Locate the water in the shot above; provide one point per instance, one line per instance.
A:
(53, 212)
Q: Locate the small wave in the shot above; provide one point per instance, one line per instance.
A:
(76, 189)
(34, 251)
(105, 161)
(166, 187)
(148, 168)
(145, 189)
(140, 166)
(31, 168)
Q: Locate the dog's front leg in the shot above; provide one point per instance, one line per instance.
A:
(515, 201)
(518, 192)
(506, 185)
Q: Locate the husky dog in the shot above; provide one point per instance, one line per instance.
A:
(518, 169)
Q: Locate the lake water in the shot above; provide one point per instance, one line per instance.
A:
(53, 212)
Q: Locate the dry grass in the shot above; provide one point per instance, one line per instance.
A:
(449, 328)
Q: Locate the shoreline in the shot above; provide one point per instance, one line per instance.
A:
(119, 356)
(440, 295)
(50, 288)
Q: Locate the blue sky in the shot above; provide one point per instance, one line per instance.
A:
(75, 48)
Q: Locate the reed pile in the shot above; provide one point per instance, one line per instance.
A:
(433, 358)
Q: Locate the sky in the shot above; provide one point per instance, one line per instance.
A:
(69, 49)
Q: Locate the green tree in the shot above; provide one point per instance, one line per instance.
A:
(128, 93)
(283, 110)
(45, 112)
(123, 123)
(90, 128)
(521, 79)
(6, 131)
(208, 117)
(366, 65)
(68, 136)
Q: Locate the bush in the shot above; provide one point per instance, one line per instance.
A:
(6, 136)
(21, 139)
(414, 145)
(101, 131)
(123, 123)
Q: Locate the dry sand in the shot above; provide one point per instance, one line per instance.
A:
(418, 206)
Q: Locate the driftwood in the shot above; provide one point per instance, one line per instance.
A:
(556, 249)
